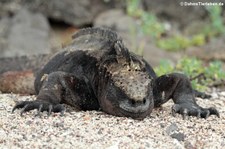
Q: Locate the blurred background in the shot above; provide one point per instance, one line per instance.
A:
(170, 36)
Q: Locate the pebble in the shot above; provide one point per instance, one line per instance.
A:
(214, 95)
(172, 128)
(222, 94)
(179, 136)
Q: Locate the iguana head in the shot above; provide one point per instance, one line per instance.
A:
(127, 90)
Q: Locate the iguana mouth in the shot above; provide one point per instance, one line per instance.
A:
(141, 115)
(135, 115)
(135, 109)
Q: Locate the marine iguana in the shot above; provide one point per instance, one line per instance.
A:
(98, 72)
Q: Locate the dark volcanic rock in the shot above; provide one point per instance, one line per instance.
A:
(115, 19)
(76, 12)
(173, 11)
(27, 34)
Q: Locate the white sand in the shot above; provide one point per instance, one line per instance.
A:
(93, 129)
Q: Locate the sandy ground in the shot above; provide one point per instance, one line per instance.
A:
(94, 129)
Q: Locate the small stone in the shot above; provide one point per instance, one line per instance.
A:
(214, 95)
(172, 128)
(188, 145)
(29, 122)
(162, 125)
(58, 124)
(222, 94)
(179, 136)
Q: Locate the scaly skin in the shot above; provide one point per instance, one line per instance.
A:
(98, 72)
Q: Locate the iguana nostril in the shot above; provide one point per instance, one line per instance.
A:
(144, 101)
(136, 103)
(133, 102)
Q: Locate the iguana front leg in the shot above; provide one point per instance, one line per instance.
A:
(178, 87)
(57, 87)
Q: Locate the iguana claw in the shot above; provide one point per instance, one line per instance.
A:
(190, 109)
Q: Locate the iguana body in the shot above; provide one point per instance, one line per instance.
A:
(98, 72)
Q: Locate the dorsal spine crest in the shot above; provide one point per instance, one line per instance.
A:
(106, 34)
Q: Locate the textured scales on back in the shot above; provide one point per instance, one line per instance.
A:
(95, 40)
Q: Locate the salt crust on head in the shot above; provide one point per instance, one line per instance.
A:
(132, 81)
